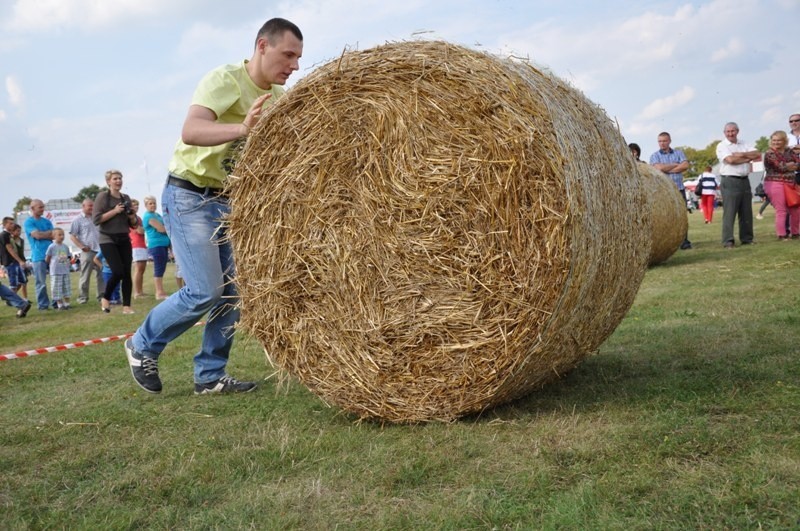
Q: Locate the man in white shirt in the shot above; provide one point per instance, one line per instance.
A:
(736, 158)
(83, 233)
(794, 139)
(794, 132)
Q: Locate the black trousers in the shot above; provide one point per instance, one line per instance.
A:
(119, 256)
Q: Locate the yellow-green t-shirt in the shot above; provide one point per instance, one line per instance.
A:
(229, 92)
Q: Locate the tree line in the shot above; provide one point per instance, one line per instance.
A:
(87, 192)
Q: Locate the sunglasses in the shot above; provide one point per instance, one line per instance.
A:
(793, 121)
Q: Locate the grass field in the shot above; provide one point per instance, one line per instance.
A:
(687, 418)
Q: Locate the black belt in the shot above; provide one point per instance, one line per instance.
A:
(737, 176)
(208, 191)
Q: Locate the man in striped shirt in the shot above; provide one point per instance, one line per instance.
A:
(672, 162)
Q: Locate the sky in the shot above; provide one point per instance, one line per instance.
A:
(89, 85)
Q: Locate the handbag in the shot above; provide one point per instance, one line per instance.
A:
(760, 190)
(791, 194)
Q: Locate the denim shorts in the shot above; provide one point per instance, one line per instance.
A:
(16, 275)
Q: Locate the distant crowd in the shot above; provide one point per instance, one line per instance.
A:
(779, 185)
(115, 245)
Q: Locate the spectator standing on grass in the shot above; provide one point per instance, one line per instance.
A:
(708, 184)
(793, 136)
(227, 103)
(84, 236)
(101, 262)
(736, 158)
(157, 244)
(673, 162)
(38, 231)
(793, 140)
(780, 165)
(114, 218)
(9, 257)
(58, 259)
(18, 277)
(139, 252)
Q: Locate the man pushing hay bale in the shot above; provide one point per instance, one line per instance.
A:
(668, 211)
(438, 231)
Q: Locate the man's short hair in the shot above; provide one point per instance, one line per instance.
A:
(7, 219)
(664, 133)
(274, 28)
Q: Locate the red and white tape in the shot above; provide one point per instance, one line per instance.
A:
(68, 346)
(58, 348)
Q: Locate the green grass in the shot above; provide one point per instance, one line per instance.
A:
(687, 418)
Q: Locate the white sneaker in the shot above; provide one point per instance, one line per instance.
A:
(759, 216)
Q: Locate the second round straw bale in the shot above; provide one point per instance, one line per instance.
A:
(668, 210)
(423, 231)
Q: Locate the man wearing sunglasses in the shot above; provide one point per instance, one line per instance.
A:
(794, 132)
(794, 139)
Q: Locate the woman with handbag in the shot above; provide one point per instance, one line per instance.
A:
(780, 165)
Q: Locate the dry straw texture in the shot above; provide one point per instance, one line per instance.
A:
(668, 211)
(423, 231)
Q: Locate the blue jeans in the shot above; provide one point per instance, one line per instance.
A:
(12, 298)
(40, 278)
(116, 295)
(206, 261)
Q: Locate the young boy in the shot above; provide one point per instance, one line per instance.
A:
(58, 257)
(17, 275)
(105, 270)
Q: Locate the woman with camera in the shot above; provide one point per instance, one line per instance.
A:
(114, 217)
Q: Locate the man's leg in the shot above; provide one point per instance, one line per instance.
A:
(193, 225)
(40, 277)
(87, 265)
(728, 211)
(12, 298)
(210, 362)
(191, 222)
(746, 213)
(686, 243)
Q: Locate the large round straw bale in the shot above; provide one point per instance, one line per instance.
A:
(668, 210)
(423, 231)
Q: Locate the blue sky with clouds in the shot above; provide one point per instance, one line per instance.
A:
(89, 85)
